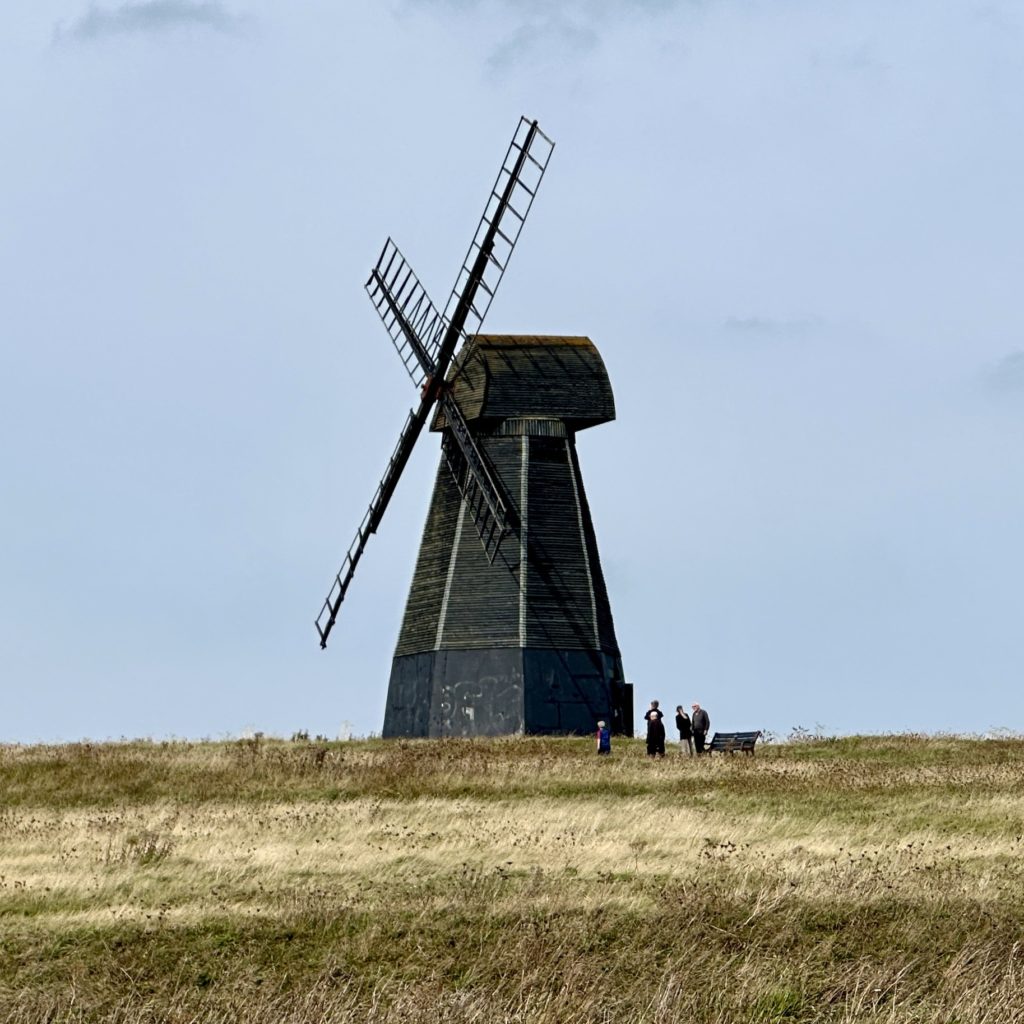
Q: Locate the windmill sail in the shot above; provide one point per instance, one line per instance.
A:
(502, 221)
(371, 520)
(473, 478)
(426, 342)
(413, 324)
(482, 494)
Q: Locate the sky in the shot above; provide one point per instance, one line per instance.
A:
(793, 229)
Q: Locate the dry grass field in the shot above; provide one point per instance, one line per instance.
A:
(861, 879)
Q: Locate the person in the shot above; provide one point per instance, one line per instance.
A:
(685, 732)
(655, 731)
(700, 723)
(604, 738)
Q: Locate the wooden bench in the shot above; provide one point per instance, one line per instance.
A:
(730, 742)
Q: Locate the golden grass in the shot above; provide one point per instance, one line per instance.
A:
(859, 880)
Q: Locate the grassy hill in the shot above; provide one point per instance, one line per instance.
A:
(861, 879)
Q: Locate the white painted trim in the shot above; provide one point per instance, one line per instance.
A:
(451, 573)
(583, 541)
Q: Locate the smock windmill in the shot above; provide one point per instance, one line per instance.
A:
(507, 627)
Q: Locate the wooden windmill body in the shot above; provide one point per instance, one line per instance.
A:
(507, 628)
(527, 645)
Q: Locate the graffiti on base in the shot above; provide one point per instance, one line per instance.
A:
(487, 706)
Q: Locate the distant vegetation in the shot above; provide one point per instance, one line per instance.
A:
(854, 880)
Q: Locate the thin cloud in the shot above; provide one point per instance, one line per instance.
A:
(766, 327)
(554, 31)
(1008, 374)
(593, 8)
(573, 26)
(149, 16)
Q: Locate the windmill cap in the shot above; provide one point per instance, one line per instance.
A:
(509, 376)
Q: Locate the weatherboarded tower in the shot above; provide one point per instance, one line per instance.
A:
(526, 644)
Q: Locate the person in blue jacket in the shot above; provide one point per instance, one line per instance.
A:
(604, 738)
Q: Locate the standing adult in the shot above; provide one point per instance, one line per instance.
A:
(685, 731)
(701, 723)
(655, 731)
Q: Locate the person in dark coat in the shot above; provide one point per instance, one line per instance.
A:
(604, 738)
(685, 731)
(655, 731)
(701, 723)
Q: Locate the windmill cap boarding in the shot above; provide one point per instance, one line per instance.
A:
(500, 376)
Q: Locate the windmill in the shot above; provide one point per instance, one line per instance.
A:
(507, 626)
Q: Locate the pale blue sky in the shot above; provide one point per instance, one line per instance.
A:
(794, 229)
